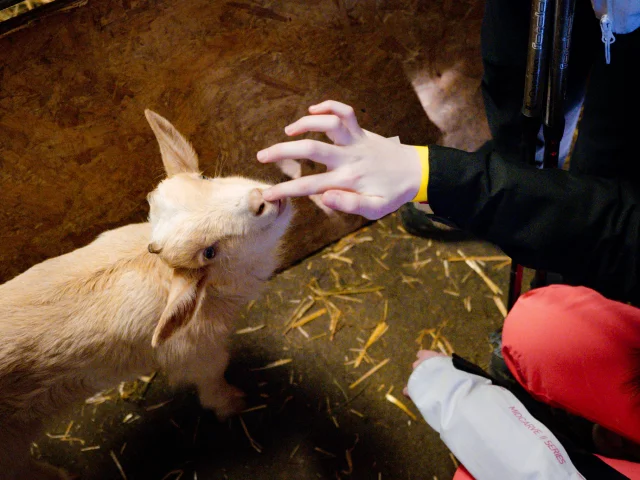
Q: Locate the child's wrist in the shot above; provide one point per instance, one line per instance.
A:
(423, 157)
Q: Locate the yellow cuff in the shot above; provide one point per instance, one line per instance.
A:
(423, 153)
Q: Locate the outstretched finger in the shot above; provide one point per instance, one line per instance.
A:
(366, 206)
(321, 152)
(342, 110)
(331, 125)
(300, 187)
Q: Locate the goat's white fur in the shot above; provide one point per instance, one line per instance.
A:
(111, 311)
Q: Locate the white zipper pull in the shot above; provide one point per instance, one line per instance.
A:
(607, 36)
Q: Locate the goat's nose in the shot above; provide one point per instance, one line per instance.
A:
(257, 204)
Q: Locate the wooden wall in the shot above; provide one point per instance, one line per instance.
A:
(77, 156)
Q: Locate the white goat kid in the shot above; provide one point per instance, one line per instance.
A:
(157, 295)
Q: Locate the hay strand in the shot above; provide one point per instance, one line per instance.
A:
(306, 319)
(256, 446)
(115, 460)
(246, 330)
(401, 406)
(369, 373)
(476, 268)
(500, 304)
(277, 363)
(486, 258)
(380, 330)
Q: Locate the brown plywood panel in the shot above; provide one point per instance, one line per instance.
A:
(76, 154)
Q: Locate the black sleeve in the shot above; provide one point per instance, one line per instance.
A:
(583, 227)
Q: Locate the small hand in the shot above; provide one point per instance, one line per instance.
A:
(422, 356)
(367, 174)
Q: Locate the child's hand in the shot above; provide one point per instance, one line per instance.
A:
(367, 174)
(422, 356)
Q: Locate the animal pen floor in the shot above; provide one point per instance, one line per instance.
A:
(77, 158)
(304, 419)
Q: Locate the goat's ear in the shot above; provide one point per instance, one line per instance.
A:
(178, 156)
(185, 297)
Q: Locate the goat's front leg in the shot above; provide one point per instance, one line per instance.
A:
(206, 371)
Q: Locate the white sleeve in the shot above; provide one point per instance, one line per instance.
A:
(485, 426)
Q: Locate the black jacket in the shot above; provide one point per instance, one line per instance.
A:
(583, 227)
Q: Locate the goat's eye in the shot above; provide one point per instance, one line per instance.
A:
(204, 177)
(209, 252)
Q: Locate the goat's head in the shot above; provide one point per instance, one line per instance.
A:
(207, 228)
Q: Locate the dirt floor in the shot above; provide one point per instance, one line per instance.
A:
(306, 419)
